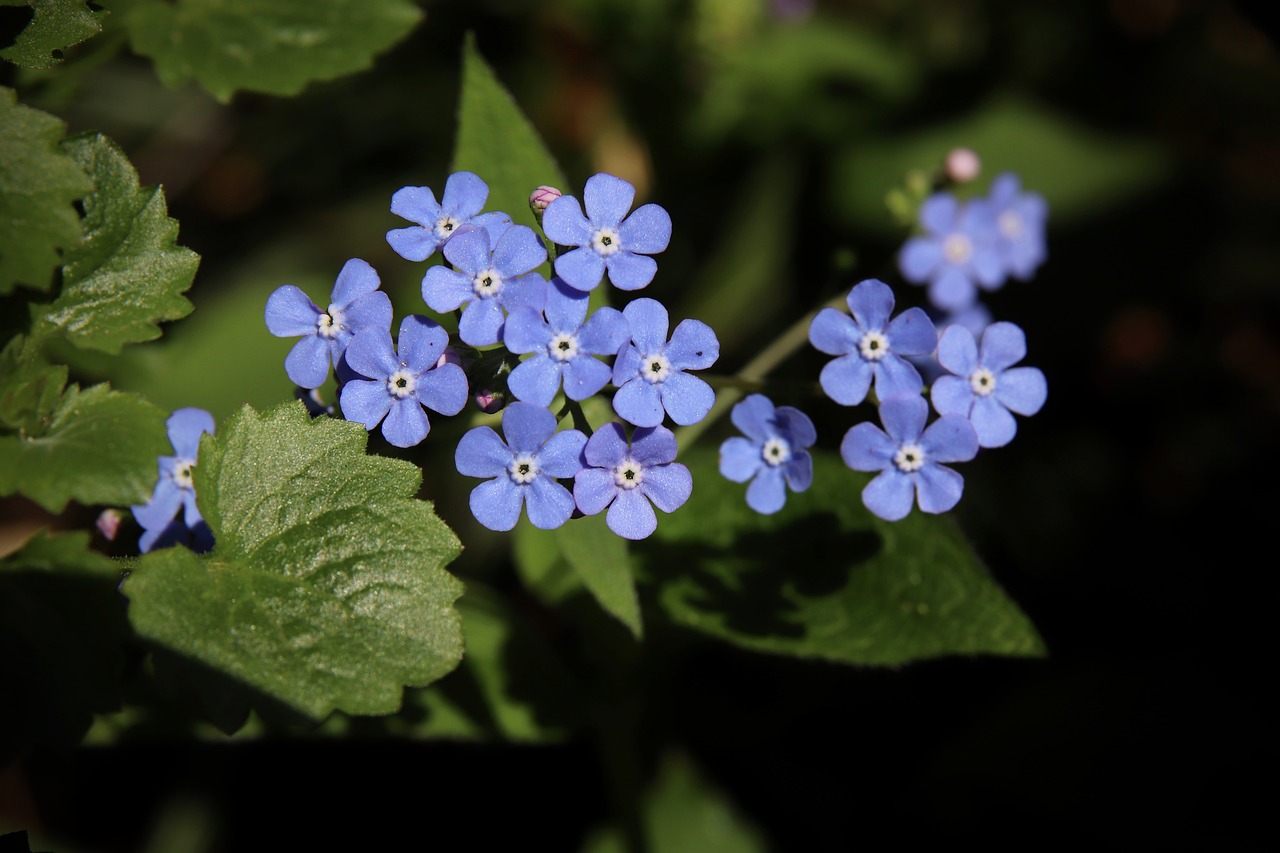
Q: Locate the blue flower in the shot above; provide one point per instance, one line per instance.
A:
(773, 454)
(398, 386)
(907, 458)
(985, 386)
(175, 489)
(1019, 219)
(626, 478)
(957, 253)
(490, 275)
(606, 241)
(356, 304)
(649, 371)
(464, 198)
(870, 346)
(523, 468)
(562, 346)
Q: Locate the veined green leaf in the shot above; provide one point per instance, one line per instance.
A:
(55, 25)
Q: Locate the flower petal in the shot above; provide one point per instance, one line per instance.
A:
(464, 195)
(833, 332)
(693, 346)
(919, 258)
(548, 503)
(526, 291)
(649, 322)
(768, 491)
(481, 453)
(631, 516)
(686, 398)
(866, 447)
(357, 278)
(604, 333)
(290, 312)
(992, 423)
(519, 251)
(952, 395)
(754, 415)
(799, 472)
(1003, 345)
(371, 355)
(567, 307)
(184, 427)
(406, 423)
(594, 489)
(871, 303)
(469, 250)
(952, 290)
(912, 333)
(564, 224)
(958, 351)
(364, 402)
(525, 331)
(895, 375)
(1022, 390)
(938, 488)
(414, 243)
(651, 446)
(584, 377)
(537, 379)
(629, 271)
(417, 204)
(307, 364)
(890, 495)
(739, 459)
(638, 403)
(668, 486)
(496, 503)
(421, 342)
(580, 268)
(647, 230)
(481, 323)
(904, 417)
(607, 199)
(796, 427)
(443, 389)
(607, 446)
(445, 290)
(950, 438)
(847, 379)
(372, 311)
(561, 456)
(527, 427)
(938, 213)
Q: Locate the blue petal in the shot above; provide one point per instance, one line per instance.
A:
(987, 268)
(628, 271)
(904, 417)
(481, 323)
(833, 332)
(952, 290)
(607, 446)
(561, 456)
(739, 459)
(445, 290)
(795, 427)
(525, 331)
(527, 427)
(162, 507)
(421, 342)
(649, 322)
(357, 278)
(896, 376)
(912, 333)
(307, 364)
(871, 303)
(952, 395)
(768, 492)
(496, 504)
(364, 401)
(847, 379)
(406, 423)
(604, 333)
(889, 495)
(638, 402)
(371, 355)
(693, 346)
(164, 536)
(369, 312)
(1003, 345)
(469, 250)
(537, 379)
(414, 243)
(992, 423)
(190, 512)
(481, 453)
(950, 438)
(417, 204)
(799, 472)
(607, 199)
(594, 489)
(495, 222)
(627, 365)
(631, 516)
(443, 389)
(580, 268)
(754, 416)
(584, 377)
(668, 486)
(290, 312)
(464, 195)
(1022, 389)
(938, 213)
(866, 447)
(567, 307)
(919, 258)
(652, 446)
(548, 503)
(564, 224)
(938, 488)
(686, 398)
(958, 351)
(647, 230)
(526, 291)
(519, 251)
(184, 427)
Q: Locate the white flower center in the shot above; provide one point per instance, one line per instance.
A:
(957, 249)
(655, 368)
(182, 473)
(983, 382)
(873, 346)
(606, 241)
(775, 452)
(445, 226)
(909, 458)
(628, 474)
(563, 347)
(487, 283)
(1010, 224)
(401, 383)
(523, 469)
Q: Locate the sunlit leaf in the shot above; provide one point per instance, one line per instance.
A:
(55, 25)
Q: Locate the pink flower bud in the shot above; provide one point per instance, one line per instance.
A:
(963, 165)
(541, 197)
(109, 523)
(490, 402)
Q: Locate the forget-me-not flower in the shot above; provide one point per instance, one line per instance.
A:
(490, 275)
(604, 239)
(1019, 225)
(907, 456)
(649, 370)
(464, 198)
(626, 478)
(355, 304)
(396, 387)
(175, 490)
(870, 345)
(524, 468)
(956, 254)
(985, 386)
(562, 346)
(774, 454)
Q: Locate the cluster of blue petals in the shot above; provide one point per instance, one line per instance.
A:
(774, 455)
(171, 516)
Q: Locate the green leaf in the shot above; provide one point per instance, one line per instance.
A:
(271, 46)
(55, 25)
(29, 387)
(599, 557)
(127, 276)
(824, 578)
(682, 813)
(64, 635)
(498, 143)
(326, 588)
(1076, 169)
(97, 447)
(38, 185)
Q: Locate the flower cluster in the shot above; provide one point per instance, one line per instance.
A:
(171, 516)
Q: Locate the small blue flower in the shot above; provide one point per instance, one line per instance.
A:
(524, 468)
(870, 346)
(627, 478)
(649, 371)
(398, 386)
(562, 345)
(773, 455)
(957, 253)
(985, 386)
(1020, 220)
(464, 198)
(907, 458)
(606, 241)
(490, 275)
(356, 304)
(175, 489)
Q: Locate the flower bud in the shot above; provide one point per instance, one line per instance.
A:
(541, 197)
(109, 523)
(962, 165)
(490, 402)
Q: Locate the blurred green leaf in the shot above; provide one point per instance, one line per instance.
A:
(97, 447)
(272, 46)
(683, 813)
(29, 387)
(824, 578)
(496, 141)
(38, 184)
(326, 588)
(1077, 169)
(55, 25)
(127, 276)
(599, 557)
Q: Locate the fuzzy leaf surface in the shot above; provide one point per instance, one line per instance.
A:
(97, 446)
(128, 275)
(326, 588)
(55, 25)
(272, 46)
(29, 387)
(823, 578)
(39, 182)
